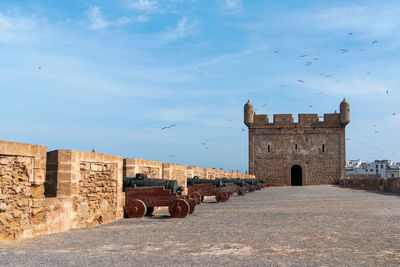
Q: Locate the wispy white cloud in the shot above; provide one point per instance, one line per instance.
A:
(184, 27)
(227, 57)
(354, 86)
(12, 25)
(96, 18)
(98, 21)
(369, 21)
(232, 6)
(149, 6)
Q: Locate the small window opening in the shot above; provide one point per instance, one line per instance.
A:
(269, 148)
(392, 174)
(295, 146)
(323, 148)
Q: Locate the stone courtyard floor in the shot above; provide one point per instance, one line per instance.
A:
(284, 226)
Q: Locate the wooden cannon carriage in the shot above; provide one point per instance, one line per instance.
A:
(233, 186)
(143, 194)
(205, 187)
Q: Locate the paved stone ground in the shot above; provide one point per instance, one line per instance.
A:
(284, 226)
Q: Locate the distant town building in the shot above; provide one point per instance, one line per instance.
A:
(393, 171)
(383, 168)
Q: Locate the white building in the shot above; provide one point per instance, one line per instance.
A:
(393, 171)
(379, 167)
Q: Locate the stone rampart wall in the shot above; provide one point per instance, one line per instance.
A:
(372, 182)
(22, 172)
(47, 192)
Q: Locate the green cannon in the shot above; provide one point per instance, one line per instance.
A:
(237, 181)
(196, 180)
(141, 180)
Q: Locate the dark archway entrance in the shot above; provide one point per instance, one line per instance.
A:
(297, 178)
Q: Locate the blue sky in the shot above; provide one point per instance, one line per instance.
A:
(110, 74)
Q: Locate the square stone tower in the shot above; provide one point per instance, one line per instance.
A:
(308, 152)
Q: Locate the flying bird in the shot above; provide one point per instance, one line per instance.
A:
(319, 93)
(301, 81)
(316, 58)
(368, 73)
(350, 33)
(393, 114)
(94, 150)
(387, 91)
(204, 143)
(167, 127)
(375, 42)
(310, 106)
(276, 51)
(302, 55)
(264, 105)
(243, 130)
(283, 85)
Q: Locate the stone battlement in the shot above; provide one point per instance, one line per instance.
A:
(47, 192)
(304, 120)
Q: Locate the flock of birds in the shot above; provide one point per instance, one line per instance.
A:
(308, 63)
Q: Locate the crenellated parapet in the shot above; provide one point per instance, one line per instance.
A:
(329, 120)
(304, 120)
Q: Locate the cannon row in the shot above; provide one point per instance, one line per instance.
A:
(143, 194)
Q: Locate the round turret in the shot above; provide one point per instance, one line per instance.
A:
(248, 114)
(344, 112)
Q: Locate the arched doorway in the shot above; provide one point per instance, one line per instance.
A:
(297, 178)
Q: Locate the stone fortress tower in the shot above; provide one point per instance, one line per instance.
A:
(308, 152)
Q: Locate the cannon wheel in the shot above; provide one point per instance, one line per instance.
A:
(226, 196)
(195, 195)
(192, 205)
(149, 211)
(135, 208)
(222, 196)
(198, 196)
(179, 208)
(242, 192)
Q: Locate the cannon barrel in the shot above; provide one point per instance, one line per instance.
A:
(197, 180)
(250, 181)
(141, 180)
(237, 181)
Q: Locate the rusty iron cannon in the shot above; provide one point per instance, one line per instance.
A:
(142, 194)
(207, 187)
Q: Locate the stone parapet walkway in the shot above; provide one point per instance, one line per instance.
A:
(285, 226)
